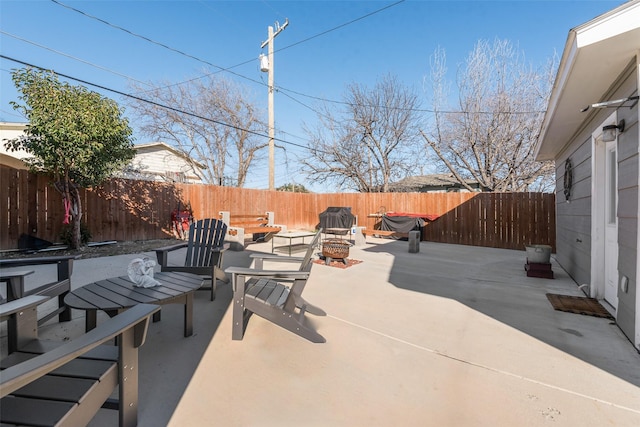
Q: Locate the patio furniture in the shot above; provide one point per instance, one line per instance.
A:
(117, 294)
(22, 321)
(205, 249)
(275, 295)
(65, 384)
(260, 227)
(290, 246)
(57, 288)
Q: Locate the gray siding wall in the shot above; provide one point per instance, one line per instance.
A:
(628, 171)
(573, 216)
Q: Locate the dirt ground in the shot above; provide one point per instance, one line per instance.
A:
(117, 248)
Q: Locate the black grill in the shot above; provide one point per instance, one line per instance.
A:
(337, 217)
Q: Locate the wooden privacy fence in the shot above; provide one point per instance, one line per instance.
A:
(141, 210)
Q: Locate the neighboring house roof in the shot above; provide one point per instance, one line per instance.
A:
(160, 161)
(433, 182)
(155, 146)
(594, 54)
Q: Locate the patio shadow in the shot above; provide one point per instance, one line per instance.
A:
(494, 282)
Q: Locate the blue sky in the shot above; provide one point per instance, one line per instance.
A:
(365, 44)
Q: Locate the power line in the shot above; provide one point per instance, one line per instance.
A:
(283, 89)
(342, 25)
(157, 104)
(72, 57)
(147, 39)
(228, 69)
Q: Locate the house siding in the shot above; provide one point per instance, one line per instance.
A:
(573, 235)
(628, 190)
(574, 221)
(158, 161)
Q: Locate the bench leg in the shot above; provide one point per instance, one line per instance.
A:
(188, 315)
(21, 328)
(65, 269)
(15, 288)
(239, 317)
(65, 315)
(90, 320)
(128, 380)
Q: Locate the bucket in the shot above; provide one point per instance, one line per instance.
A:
(539, 254)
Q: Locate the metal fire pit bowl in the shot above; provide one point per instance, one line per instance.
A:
(335, 249)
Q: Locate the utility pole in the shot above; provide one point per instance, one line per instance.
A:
(272, 130)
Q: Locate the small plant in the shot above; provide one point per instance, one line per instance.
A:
(66, 235)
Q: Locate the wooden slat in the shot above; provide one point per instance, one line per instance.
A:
(20, 411)
(139, 210)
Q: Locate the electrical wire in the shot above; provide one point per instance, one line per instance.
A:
(72, 57)
(228, 69)
(147, 39)
(157, 104)
(282, 89)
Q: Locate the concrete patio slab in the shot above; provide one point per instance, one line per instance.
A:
(451, 335)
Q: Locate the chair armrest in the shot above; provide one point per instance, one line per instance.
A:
(65, 263)
(172, 247)
(278, 274)
(222, 248)
(18, 262)
(8, 275)
(17, 376)
(20, 304)
(163, 253)
(277, 258)
(15, 282)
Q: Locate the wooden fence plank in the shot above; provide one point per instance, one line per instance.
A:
(141, 210)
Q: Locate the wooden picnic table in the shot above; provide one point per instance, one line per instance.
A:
(117, 294)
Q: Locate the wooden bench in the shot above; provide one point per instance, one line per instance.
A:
(241, 226)
(65, 384)
(385, 233)
(57, 288)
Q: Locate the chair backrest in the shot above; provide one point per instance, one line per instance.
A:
(306, 262)
(294, 298)
(205, 237)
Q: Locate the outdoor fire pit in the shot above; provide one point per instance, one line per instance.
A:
(335, 249)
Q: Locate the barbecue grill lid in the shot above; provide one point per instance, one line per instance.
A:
(337, 217)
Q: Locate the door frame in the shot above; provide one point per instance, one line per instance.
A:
(599, 211)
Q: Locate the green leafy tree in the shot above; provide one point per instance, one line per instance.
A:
(293, 188)
(77, 136)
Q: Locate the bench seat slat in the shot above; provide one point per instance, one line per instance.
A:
(102, 352)
(19, 410)
(76, 368)
(51, 387)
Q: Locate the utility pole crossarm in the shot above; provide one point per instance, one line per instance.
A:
(278, 30)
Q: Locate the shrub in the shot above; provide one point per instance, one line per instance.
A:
(66, 235)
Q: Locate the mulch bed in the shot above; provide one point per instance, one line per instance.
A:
(578, 305)
(338, 264)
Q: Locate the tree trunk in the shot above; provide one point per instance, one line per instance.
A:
(76, 216)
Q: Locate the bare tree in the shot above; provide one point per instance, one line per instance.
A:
(490, 136)
(209, 118)
(369, 142)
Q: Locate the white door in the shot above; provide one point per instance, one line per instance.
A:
(611, 225)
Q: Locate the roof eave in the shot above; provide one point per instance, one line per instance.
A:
(595, 54)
